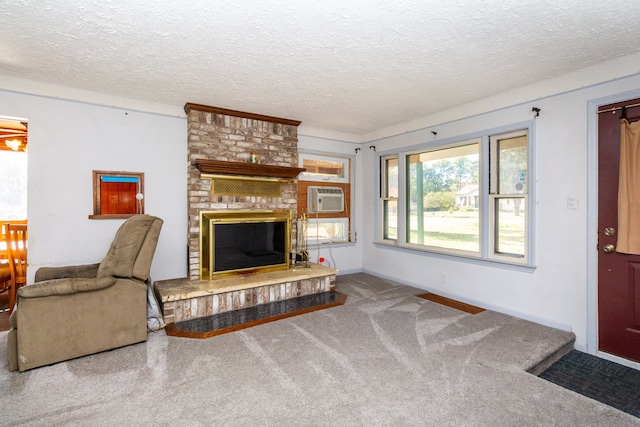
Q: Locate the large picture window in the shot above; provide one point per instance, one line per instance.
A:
(442, 194)
(468, 198)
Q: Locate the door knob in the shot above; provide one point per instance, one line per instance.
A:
(608, 248)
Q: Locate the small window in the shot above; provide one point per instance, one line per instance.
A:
(324, 169)
(389, 178)
(508, 194)
(117, 194)
(330, 173)
(327, 230)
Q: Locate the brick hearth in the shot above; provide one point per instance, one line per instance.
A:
(184, 299)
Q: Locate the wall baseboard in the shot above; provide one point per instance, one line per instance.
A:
(352, 271)
(504, 310)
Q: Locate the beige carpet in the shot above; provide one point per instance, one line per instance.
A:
(386, 357)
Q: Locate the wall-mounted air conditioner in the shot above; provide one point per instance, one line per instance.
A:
(325, 199)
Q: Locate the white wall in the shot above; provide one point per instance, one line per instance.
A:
(67, 141)
(556, 292)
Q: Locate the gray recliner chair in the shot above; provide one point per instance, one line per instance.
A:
(79, 310)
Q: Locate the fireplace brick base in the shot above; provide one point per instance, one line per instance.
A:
(185, 298)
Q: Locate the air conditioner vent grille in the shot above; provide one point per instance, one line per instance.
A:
(325, 199)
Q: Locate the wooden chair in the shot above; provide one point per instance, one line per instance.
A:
(16, 238)
(6, 285)
(4, 255)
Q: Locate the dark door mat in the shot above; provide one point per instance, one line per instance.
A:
(222, 323)
(467, 308)
(602, 380)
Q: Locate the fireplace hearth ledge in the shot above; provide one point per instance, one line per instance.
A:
(185, 298)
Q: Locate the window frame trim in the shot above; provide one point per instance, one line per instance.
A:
(494, 194)
(383, 196)
(348, 161)
(345, 160)
(486, 228)
(481, 187)
(319, 221)
(97, 196)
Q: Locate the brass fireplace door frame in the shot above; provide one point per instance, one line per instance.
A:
(210, 218)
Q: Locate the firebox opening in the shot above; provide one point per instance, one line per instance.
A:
(248, 245)
(236, 242)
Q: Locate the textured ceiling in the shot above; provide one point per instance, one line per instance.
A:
(349, 66)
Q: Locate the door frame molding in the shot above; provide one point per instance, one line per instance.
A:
(592, 224)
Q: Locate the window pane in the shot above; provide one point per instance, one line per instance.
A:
(443, 198)
(510, 226)
(323, 169)
(13, 184)
(389, 185)
(390, 218)
(391, 181)
(512, 165)
(326, 230)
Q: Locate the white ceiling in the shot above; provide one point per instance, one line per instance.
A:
(350, 66)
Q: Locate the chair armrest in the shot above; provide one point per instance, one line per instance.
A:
(65, 287)
(87, 271)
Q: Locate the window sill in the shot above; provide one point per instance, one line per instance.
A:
(460, 258)
(332, 244)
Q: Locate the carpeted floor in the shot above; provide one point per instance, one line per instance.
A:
(385, 357)
(599, 379)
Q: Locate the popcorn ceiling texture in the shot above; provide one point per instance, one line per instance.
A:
(231, 138)
(349, 66)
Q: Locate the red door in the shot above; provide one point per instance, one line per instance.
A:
(618, 274)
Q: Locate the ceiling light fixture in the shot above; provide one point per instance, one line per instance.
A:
(14, 144)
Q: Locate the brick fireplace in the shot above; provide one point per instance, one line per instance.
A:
(233, 136)
(220, 142)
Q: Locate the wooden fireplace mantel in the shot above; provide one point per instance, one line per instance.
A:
(219, 167)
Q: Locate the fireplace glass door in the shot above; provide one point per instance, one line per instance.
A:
(243, 242)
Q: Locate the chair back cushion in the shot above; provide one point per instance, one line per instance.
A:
(132, 249)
